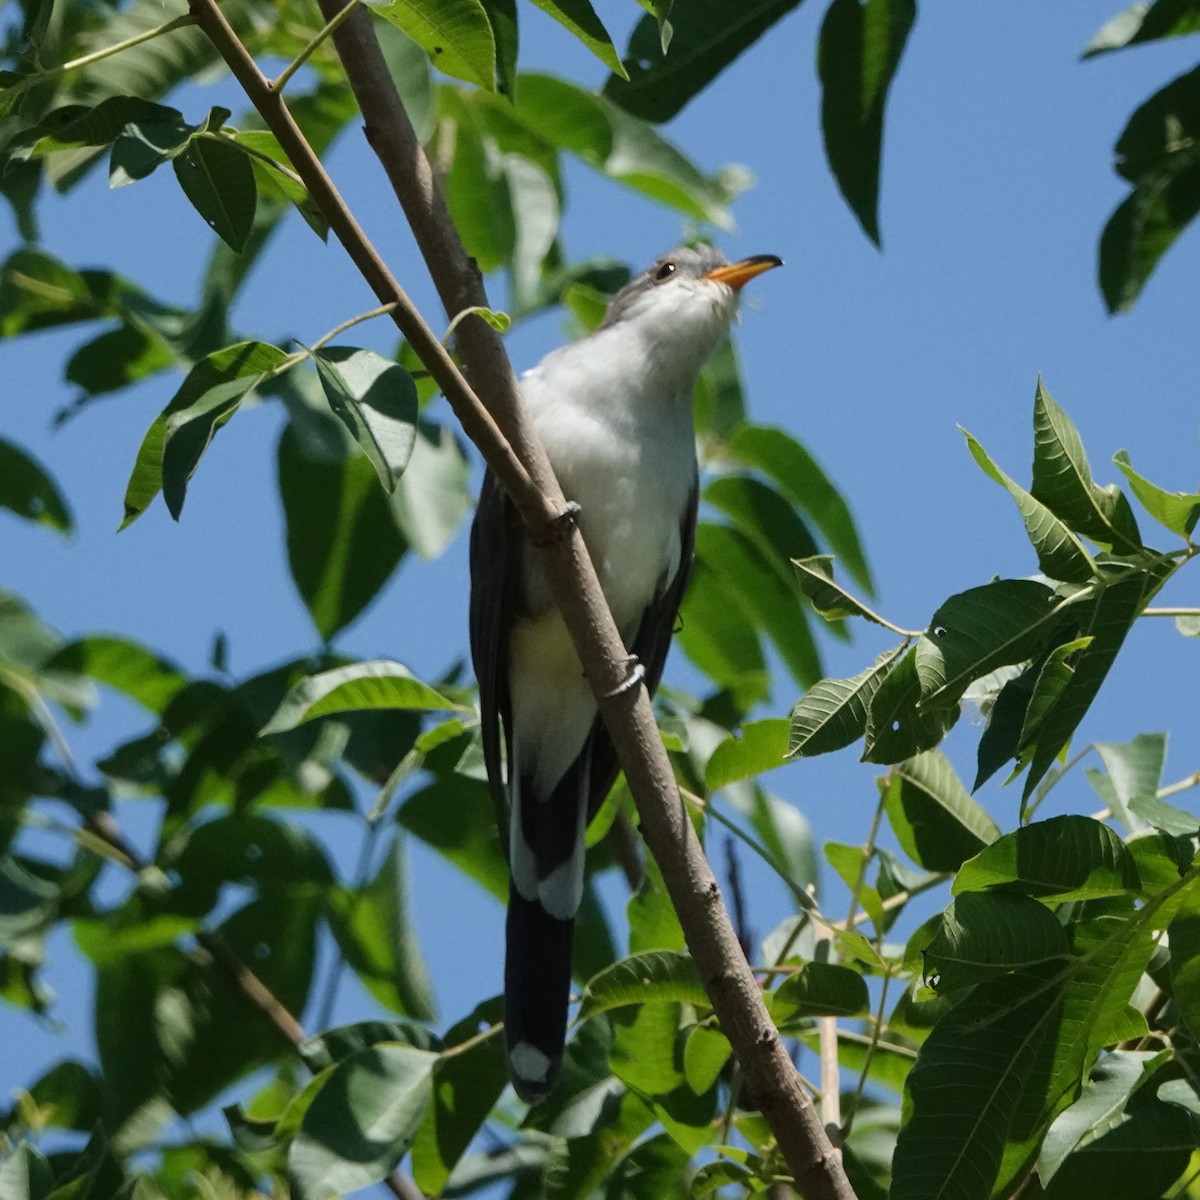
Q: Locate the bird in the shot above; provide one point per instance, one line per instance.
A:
(614, 412)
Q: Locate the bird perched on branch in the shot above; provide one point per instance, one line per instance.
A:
(614, 411)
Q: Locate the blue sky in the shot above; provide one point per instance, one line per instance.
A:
(997, 181)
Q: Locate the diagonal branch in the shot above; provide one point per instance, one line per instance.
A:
(505, 437)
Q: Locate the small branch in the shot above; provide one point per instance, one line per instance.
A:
(1171, 612)
(1173, 789)
(280, 81)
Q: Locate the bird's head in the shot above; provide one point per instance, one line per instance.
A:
(683, 302)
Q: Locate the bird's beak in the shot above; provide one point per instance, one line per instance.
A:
(737, 275)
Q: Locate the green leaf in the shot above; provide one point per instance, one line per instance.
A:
(78, 125)
(857, 56)
(1061, 555)
(25, 1174)
(834, 712)
(1134, 773)
(716, 636)
(275, 177)
(114, 360)
(933, 816)
(705, 1053)
(655, 977)
(762, 594)
(1062, 480)
(361, 1121)
(27, 490)
(964, 1092)
(432, 498)
(28, 903)
(1104, 1098)
(1184, 937)
(331, 1047)
(363, 685)
(180, 434)
(619, 145)
(376, 400)
(828, 597)
(642, 1054)
(1063, 858)
(37, 291)
(455, 815)
(1178, 511)
(1145, 22)
(466, 1086)
(342, 540)
(760, 512)
(705, 37)
(801, 479)
(1106, 621)
(983, 934)
(456, 34)
(1137, 1154)
(819, 990)
(219, 181)
(759, 747)
(900, 723)
(976, 631)
(579, 17)
(374, 930)
(125, 665)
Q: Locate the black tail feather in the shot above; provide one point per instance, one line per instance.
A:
(537, 987)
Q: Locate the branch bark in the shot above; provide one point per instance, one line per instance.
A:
(507, 441)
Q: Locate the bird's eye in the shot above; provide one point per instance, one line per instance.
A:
(664, 272)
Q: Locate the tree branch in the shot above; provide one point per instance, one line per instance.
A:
(504, 435)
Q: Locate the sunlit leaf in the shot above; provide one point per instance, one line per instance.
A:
(456, 34)
(1062, 857)
(379, 684)
(759, 747)
(1178, 511)
(657, 976)
(362, 1120)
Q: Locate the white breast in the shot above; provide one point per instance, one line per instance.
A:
(625, 453)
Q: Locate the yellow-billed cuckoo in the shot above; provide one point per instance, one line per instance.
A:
(614, 411)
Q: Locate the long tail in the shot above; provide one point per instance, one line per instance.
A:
(546, 849)
(537, 988)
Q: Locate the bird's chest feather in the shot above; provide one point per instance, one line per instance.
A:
(631, 473)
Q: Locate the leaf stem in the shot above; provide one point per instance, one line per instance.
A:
(1171, 612)
(280, 81)
(180, 22)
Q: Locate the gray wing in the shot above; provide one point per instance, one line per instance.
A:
(497, 599)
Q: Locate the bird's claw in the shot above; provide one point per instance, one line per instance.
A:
(637, 673)
(556, 527)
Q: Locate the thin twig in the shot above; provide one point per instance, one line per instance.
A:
(280, 80)
(104, 52)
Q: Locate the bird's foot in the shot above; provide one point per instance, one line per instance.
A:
(556, 528)
(637, 673)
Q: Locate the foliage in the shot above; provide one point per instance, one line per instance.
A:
(1037, 1036)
